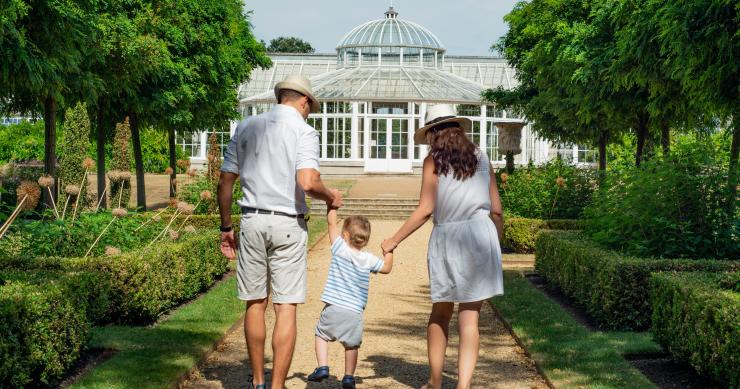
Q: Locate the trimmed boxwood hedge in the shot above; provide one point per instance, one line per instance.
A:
(698, 321)
(520, 233)
(47, 305)
(613, 288)
(42, 330)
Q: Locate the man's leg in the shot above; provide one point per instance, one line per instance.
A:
(254, 331)
(283, 342)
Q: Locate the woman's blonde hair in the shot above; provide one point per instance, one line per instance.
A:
(358, 228)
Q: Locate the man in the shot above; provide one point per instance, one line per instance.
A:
(275, 155)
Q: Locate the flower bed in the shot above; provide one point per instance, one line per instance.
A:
(696, 316)
(613, 288)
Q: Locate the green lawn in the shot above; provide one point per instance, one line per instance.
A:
(155, 356)
(570, 355)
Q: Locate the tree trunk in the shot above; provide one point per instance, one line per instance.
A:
(139, 162)
(733, 171)
(642, 134)
(603, 141)
(173, 162)
(100, 139)
(510, 162)
(50, 147)
(665, 138)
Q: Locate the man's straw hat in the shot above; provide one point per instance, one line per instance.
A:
(436, 115)
(301, 85)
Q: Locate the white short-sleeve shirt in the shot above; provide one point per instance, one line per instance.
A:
(266, 151)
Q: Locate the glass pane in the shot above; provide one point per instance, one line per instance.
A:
(468, 110)
(390, 108)
(492, 143)
(399, 139)
(474, 133)
(378, 132)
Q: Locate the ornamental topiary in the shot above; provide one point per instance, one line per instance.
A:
(73, 151)
(120, 182)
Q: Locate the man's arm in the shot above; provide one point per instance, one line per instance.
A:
(310, 181)
(225, 190)
(331, 219)
(387, 263)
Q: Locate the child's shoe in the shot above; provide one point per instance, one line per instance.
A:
(348, 382)
(251, 385)
(321, 373)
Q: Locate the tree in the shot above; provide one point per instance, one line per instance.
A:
(289, 45)
(698, 40)
(44, 45)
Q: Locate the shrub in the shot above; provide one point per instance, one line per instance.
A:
(22, 142)
(122, 163)
(674, 207)
(698, 321)
(73, 150)
(155, 151)
(42, 332)
(613, 288)
(520, 233)
(533, 192)
(146, 282)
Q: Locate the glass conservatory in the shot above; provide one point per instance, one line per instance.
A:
(375, 91)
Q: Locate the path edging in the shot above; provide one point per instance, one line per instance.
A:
(521, 344)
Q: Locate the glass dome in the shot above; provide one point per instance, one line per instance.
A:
(392, 42)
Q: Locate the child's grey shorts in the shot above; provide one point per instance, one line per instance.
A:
(342, 324)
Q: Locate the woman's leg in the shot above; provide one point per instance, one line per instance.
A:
(438, 331)
(469, 342)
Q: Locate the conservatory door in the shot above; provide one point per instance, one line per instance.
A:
(389, 146)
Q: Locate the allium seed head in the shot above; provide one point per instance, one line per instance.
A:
(46, 181)
(119, 212)
(112, 251)
(172, 203)
(168, 171)
(206, 195)
(72, 190)
(174, 235)
(31, 192)
(190, 229)
(192, 172)
(156, 218)
(504, 177)
(185, 208)
(88, 163)
(560, 181)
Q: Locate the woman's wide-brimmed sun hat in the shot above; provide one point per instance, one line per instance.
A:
(437, 115)
(301, 85)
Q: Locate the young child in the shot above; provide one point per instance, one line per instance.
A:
(345, 294)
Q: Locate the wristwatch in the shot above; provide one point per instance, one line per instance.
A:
(225, 229)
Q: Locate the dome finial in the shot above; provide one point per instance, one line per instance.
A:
(391, 13)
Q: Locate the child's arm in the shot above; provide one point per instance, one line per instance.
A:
(387, 263)
(331, 219)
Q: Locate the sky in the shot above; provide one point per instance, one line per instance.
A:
(465, 27)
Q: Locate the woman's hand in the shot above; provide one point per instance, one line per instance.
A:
(388, 246)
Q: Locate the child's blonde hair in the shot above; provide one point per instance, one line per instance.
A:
(358, 228)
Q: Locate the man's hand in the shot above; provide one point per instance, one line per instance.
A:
(336, 199)
(388, 246)
(228, 245)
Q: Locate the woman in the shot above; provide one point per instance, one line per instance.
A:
(459, 188)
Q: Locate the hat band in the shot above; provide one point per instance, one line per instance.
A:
(439, 119)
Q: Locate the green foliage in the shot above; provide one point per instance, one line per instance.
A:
(21, 142)
(120, 189)
(613, 288)
(155, 151)
(289, 45)
(73, 150)
(570, 355)
(674, 207)
(532, 192)
(520, 234)
(42, 330)
(698, 321)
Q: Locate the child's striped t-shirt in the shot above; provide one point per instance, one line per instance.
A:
(349, 276)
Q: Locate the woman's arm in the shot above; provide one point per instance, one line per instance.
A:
(424, 210)
(497, 210)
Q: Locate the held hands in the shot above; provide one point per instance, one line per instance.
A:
(388, 246)
(336, 199)
(228, 245)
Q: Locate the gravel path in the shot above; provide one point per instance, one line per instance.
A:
(393, 354)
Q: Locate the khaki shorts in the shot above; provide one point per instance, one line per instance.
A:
(272, 249)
